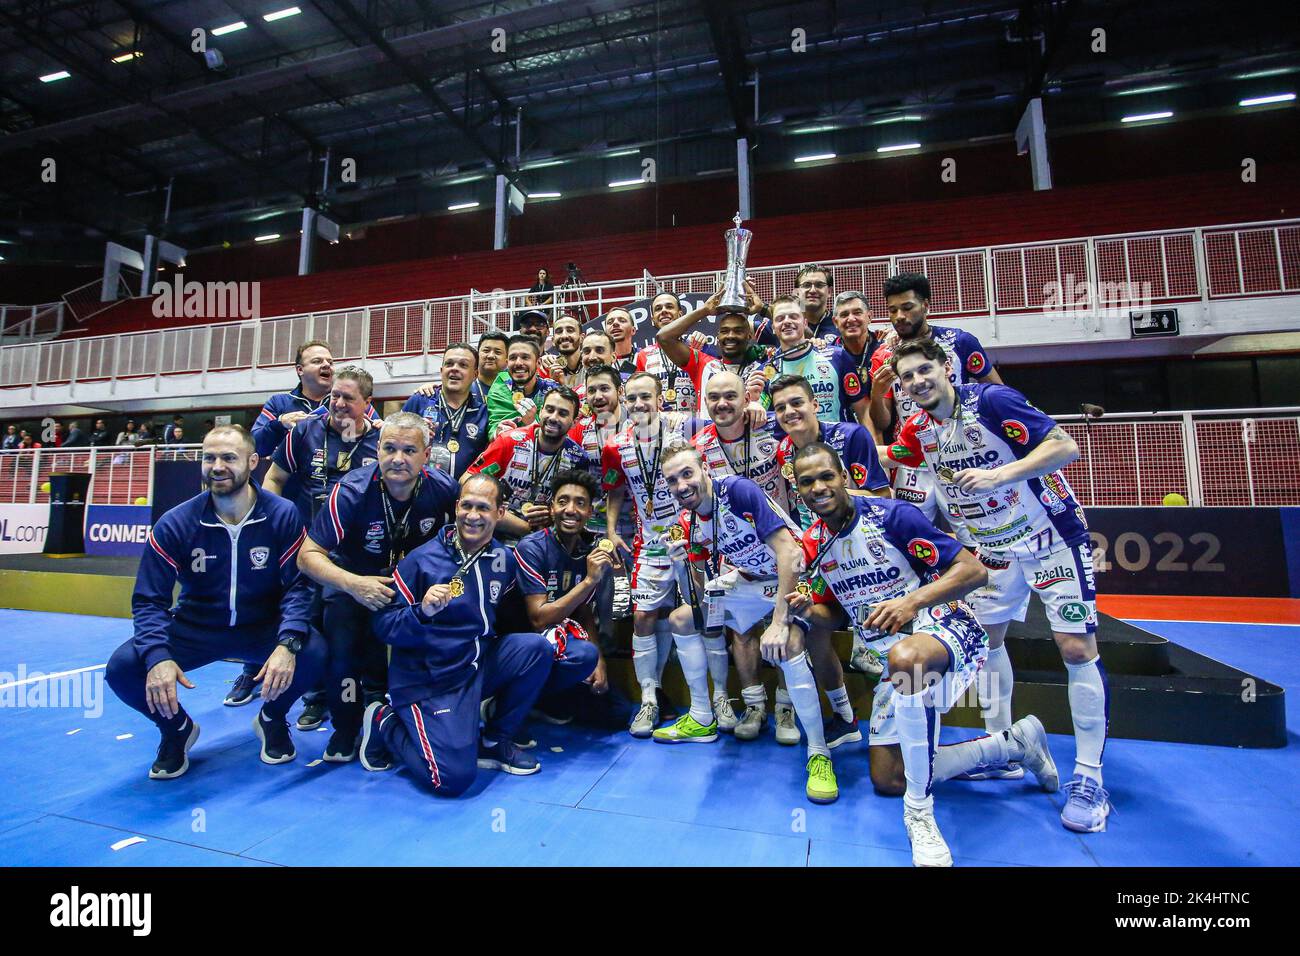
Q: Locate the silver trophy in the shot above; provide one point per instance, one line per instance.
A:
(733, 289)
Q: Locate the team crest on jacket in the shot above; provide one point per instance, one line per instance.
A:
(974, 436)
(471, 430)
(924, 551)
(1016, 431)
(260, 556)
(975, 364)
(494, 591)
(425, 525)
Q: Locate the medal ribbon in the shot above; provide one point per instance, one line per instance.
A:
(649, 475)
(396, 531)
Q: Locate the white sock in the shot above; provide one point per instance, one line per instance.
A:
(1090, 710)
(783, 698)
(754, 696)
(716, 647)
(995, 685)
(802, 690)
(645, 651)
(664, 637)
(839, 698)
(918, 735)
(994, 750)
(695, 666)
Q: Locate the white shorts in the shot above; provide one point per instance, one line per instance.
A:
(1062, 578)
(747, 603)
(654, 584)
(968, 649)
(916, 486)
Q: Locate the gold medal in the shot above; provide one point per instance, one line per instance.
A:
(804, 588)
(604, 544)
(770, 372)
(649, 509)
(453, 446)
(670, 395)
(457, 587)
(585, 411)
(675, 533)
(787, 471)
(944, 472)
(518, 397)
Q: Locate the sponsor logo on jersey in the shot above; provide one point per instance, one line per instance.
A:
(974, 436)
(830, 566)
(876, 550)
(518, 436)
(1016, 431)
(492, 469)
(611, 475)
(1059, 574)
(972, 461)
(858, 473)
(1078, 513)
(924, 551)
(975, 363)
(852, 383)
(259, 556)
(911, 494)
(1012, 498)
(374, 536)
(992, 563)
(1074, 612)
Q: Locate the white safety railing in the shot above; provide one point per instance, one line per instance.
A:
(123, 475)
(1217, 262)
(1224, 457)
(28, 323)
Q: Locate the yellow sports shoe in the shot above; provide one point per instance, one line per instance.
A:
(822, 787)
(687, 730)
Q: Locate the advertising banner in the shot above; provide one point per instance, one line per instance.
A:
(23, 528)
(119, 530)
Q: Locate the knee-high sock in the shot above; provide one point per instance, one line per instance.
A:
(695, 666)
(993, 750)
(719, 664)
(918, 736)
(802, 688)
(1090, 710)
(754, 695)
(994, 687)
(645, 661)
(664, 637)
(839, 698)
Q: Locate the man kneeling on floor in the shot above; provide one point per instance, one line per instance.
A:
(234, 548)
(447, 656)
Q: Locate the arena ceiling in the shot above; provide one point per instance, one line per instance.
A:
(414, 92)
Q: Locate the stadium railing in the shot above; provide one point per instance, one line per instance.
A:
(1096, 272)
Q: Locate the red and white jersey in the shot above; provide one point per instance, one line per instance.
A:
(514, 459)
(969, 364)
(620, 464)
(685, 382)
(593, 438)
(752, 456)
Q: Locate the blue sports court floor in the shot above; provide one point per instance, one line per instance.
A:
(73, 787)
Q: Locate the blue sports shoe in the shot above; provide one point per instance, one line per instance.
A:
(840, 731)
(1087, 805)
(507, 756)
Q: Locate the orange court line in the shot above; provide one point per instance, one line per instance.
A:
(1235, 610)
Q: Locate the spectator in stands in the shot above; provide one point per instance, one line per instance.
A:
(25, 440)
(177, 436)
(11, 438)
(101, 436)
(207, 427)
(56, 435)
(543, 291)
(129, 435)
(176, 422)
(76, 437)
(147, 437)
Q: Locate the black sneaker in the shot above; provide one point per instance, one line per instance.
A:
(374, 754)
(242, 691)
(313, 715)
(506, 756)
(607, 711)
(174, 751)
(342, 747)
(555, 709)
(277, 744)
(524, 740)
(667, 709)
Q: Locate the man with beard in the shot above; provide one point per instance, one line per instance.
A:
(514, 397)
(631, 469)
(998, 465)
(455, 411)
(622, 330)
(447, 656)
(901, 581)
(828, 371)
(736, 349)
(743, 563)
(565, 364)
(732, 445)
(535, 323)
(233, 549)
(525, 459)
(792, 400)
(374, 517)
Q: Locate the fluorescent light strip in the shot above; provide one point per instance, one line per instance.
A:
(543, 163)
(461, 205)
(623, 152)
(814, 158)
(1260, 74)
(907, 118)
(543, 195)
(626, 182)
(1261, 100)
(128, 57)
(229, 28)
(51, 77)
(281, 14)
(269, 237)
(894, 149)
(1147, 89)
(813, 129)
(1146, 116)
